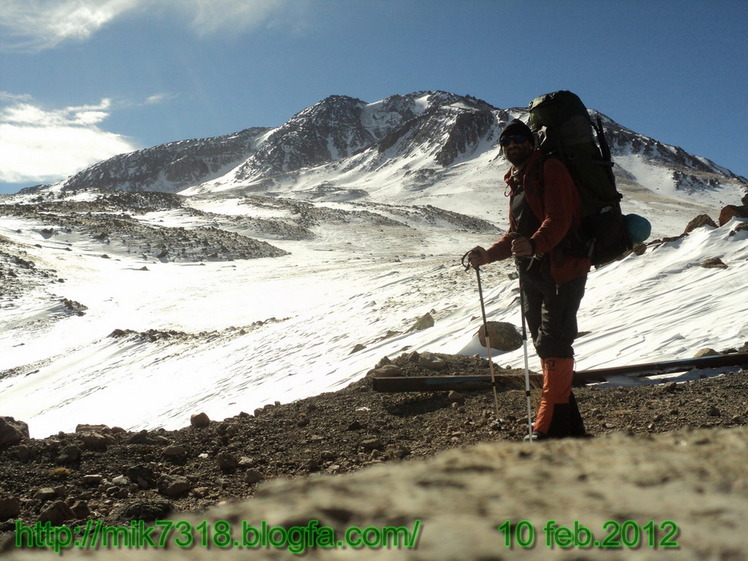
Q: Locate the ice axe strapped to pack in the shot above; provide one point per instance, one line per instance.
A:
(565, 131)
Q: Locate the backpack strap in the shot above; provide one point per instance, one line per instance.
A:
(604, 147)
(539, 171)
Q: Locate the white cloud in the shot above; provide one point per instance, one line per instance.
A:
(159, 98)
(46, 145)
(7, 96)
(211, 16)
(37, 25)
(30, 114)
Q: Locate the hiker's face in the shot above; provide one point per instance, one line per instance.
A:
(518, 153)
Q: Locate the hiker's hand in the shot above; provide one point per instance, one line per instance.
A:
(521, 247)
(477, 257)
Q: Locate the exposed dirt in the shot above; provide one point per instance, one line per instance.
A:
(108, 473)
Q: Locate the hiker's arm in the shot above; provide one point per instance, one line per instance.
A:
(561, 203)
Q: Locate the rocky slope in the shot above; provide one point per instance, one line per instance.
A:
(169, 167)
(105, 473)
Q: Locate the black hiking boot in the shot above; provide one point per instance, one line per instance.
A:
(534, 437)
(561, 421)
(576, 424)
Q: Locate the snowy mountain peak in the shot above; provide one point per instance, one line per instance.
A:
(418, 147)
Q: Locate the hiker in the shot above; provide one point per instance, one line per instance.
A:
(541, 215)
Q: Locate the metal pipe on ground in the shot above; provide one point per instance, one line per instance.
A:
(482, 381)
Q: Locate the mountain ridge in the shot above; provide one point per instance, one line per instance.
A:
(424, 134)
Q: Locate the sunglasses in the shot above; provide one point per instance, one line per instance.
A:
(516, 138)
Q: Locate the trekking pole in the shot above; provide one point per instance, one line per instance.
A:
(488, 338)
(527, 365)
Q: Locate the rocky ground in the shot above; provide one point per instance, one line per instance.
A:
(107, 473)
(133, 223)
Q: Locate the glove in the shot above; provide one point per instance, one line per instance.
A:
(477, 257)
(522, 247)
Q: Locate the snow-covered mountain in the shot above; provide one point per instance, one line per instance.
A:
(169, 167)
(420, 148)
(288, 249)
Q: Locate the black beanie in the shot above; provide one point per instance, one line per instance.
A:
(518, 127)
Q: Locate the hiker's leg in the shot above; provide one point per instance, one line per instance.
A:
(558, 415)
(558, 324)
(576, 423)
(533, 294)
(553, 418)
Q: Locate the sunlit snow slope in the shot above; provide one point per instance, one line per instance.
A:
(155, 346)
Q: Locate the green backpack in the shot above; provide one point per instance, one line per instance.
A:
(565, 131)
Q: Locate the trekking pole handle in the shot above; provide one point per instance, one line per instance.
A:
(467, 267)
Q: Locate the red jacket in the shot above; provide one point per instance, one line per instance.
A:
(556, 206)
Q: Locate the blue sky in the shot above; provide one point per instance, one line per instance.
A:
(82, 80)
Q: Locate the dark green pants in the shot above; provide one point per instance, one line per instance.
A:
(550, 309)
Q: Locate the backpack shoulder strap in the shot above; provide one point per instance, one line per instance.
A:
(539, 170)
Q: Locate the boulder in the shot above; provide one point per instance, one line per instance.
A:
(10, 507)
(387, 371)
(22, 452)
(731, 211)
(503, 336)
(56, 513)
(226, 461)
(45, 494)
(700, 220)
(92, 479)
(431, 362)
(200, 420)
(81, 509)
(96, 441)
(706, 351)
(424, 322)
(173, 487)
(372, 444)
(142, 475)
(253, 476)
(174, 451)
(12, 431)
(713, 263)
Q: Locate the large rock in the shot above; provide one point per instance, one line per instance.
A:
(503, 336)
(200, 420)
(424, 322)
(56, 513)
(730, 211)
(12, 431)
(10, 507)
(96, 441)
(174, 486)
(698, 222)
